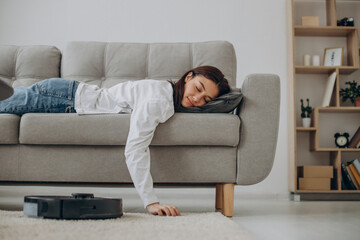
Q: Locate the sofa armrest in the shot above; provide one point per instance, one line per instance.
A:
(259, 114)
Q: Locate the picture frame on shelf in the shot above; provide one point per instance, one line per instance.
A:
(333, 56)
(328, 91)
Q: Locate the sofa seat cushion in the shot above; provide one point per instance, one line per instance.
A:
(216, 129)
(9, 128)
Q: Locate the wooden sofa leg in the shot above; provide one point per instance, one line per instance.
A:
(228, 199)
(219, 196)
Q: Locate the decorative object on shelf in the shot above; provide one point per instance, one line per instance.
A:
(328, 90)
(315, 177)
(310, 21)
(313, 171)
(355, 140)
(306, 113)
(346, 22)
(352, 93)
(342, 140)
(333, 56)
(307, 60)
(316, 60)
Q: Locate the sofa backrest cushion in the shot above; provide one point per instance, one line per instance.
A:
(25, 65)
(107, 64)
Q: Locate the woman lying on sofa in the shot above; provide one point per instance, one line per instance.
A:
(150, 102)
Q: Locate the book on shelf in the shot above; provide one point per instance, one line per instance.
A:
(346, 178)
(356, 165)
(328, 90)
(355, 173)
(343, 186)
(355, 140)
(357, 187)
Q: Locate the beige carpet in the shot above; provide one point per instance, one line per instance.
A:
(15, 225)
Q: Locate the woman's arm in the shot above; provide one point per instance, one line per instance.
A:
(143, 122)
(163, 209)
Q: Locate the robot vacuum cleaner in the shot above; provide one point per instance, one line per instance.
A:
(77, 206)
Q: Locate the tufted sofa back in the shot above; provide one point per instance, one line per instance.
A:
(25, 65)
(106, 64)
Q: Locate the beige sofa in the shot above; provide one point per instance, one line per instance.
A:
(217, 150)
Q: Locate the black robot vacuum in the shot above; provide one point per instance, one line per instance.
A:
(77, 206)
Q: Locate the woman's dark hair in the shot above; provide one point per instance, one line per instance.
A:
(210, 72)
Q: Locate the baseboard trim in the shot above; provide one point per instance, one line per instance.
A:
(298, 197)
(12, 194)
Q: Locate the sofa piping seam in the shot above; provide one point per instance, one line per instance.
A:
(245, 86)
(15, 62)
(103, 70)
(191, 51)
(147, 61)
(18, 158)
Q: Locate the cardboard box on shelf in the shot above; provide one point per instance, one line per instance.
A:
(314, 184)
(310, 21)
(316, 171)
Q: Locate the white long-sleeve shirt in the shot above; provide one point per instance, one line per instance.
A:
(150, 102)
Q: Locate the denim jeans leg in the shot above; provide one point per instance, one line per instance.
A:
(54, 95)
(23, 100)
(58, 95)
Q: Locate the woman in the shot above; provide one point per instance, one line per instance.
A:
(150, 102)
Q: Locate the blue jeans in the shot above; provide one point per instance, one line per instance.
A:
(54, 95)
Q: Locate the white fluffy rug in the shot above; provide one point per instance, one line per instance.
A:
(15, 225)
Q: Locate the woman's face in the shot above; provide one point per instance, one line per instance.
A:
(198, 91)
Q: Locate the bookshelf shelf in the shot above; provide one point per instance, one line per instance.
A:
(349, 191)
(331, 191)
(304, 129)
(308, 82)
(338, 109)
(323, 31)
(324, 70)
(337, 149)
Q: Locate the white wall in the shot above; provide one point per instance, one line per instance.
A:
(257, 29)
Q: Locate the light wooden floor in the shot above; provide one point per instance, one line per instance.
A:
(284, 219)
(268, 219)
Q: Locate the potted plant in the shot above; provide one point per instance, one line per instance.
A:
(352, 93)
(306, 113)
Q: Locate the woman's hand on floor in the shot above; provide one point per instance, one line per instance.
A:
(163, 209)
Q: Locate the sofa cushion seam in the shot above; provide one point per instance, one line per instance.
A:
(147, 61)
(15, 62)
(104, 65)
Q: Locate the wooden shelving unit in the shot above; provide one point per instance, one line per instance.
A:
(306, 144)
